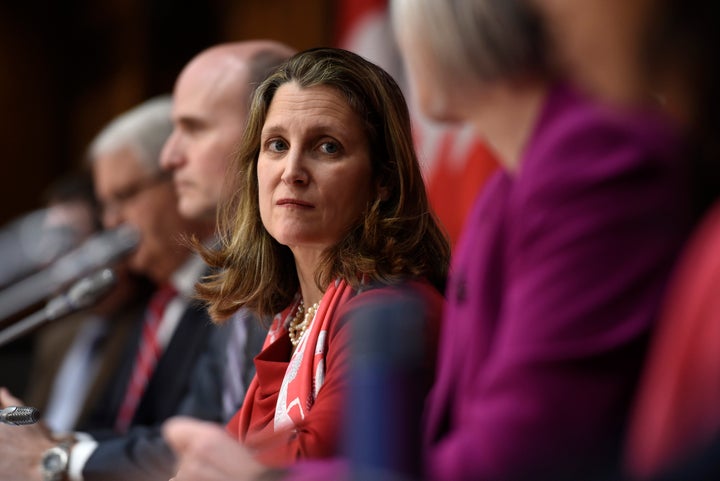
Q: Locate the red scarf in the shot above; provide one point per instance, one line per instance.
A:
(305, 373)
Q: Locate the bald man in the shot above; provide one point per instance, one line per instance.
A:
(211, 101)
(210, 105)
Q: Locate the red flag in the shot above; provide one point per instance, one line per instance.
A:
(455, 163)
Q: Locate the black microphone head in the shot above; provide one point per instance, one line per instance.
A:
(19, 415)
(123, 240)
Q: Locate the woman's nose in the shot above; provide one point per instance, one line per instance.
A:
(294, 171)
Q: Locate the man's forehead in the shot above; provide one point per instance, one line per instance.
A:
(207, 89)
(118, 168)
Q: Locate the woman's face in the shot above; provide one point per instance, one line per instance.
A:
(314, 170)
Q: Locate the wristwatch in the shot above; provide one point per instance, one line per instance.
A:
(54, 464)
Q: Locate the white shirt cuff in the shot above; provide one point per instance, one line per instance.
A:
(83, 448)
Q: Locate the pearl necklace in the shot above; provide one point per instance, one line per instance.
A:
(301, 321)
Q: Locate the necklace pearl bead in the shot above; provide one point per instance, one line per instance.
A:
(301, 321)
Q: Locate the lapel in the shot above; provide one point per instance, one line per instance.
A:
(170, 381)
(119, 331)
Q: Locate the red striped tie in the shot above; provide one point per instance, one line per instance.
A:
(149, 352)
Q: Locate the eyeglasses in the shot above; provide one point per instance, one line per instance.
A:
(126, 194)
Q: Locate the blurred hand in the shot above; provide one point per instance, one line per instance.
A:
(21, 447)
(207, 453)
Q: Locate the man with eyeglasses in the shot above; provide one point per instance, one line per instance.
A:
(133, 190)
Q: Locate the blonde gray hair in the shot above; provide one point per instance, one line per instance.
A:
(486, 40)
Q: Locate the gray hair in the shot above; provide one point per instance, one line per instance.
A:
(486, 39)
(144, 129)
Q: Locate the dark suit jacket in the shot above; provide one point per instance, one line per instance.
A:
(170, 381)
(142, 454)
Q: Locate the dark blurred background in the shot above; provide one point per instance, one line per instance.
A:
(67, 67)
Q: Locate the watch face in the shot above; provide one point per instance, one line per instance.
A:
(53, 462)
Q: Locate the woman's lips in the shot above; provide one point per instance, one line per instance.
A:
(295, 202)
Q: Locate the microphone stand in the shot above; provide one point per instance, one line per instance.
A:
(82, 294)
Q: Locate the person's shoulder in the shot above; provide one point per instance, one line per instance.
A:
(571, 123)
(579, 141)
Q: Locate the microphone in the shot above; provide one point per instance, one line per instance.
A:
(19, 415)
(82, 294)
(98, 251)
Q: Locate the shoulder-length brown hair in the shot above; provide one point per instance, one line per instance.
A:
(396, 238)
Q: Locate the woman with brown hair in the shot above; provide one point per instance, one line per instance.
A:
(329, 214)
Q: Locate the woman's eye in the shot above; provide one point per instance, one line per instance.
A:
(330, 147)
(276, 145)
